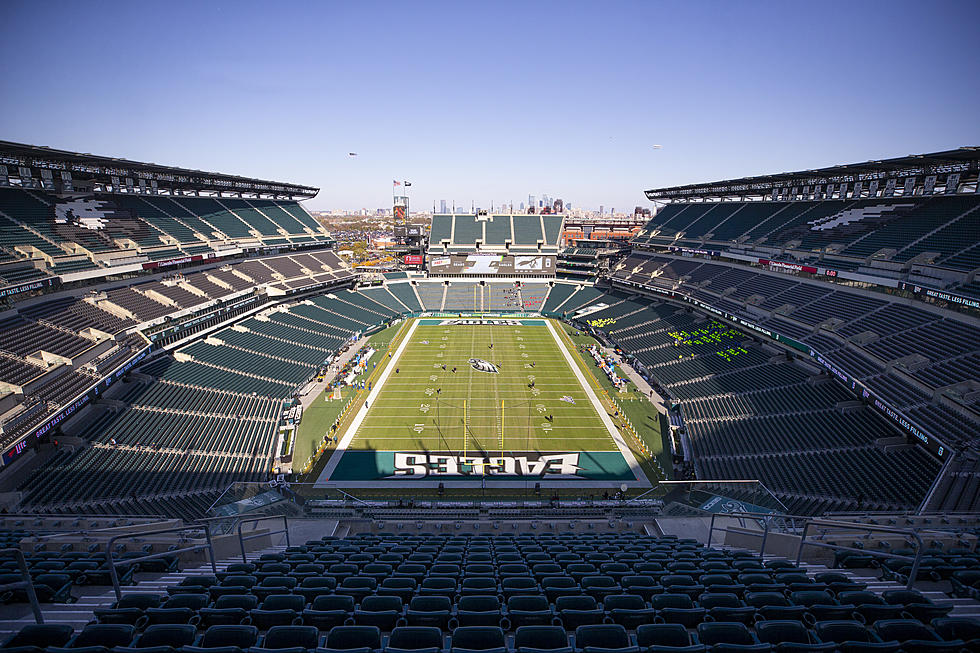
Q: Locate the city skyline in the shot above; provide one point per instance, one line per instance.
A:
(353, 96)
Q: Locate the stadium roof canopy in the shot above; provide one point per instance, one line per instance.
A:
(964, 161)
(33, 166)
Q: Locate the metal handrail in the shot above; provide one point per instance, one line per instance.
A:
(241, 538)
(27, 583)
(153, 556)
(61, 515)
(93, 532)
(913, 573)
(765, 517)
(351, 496)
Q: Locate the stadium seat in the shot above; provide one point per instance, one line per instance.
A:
(478, 586)
(681, 583)
(228, 610)
(489, 639)
(729, 636)
(852, 637)
(353, 638)
(226, 638)
(916, 604)
(628, 610)
(603, 638)
(838, 582)
(666, 638)
(162, 638)
(787, 635)
(678, 609)
(358, 587)
(555, 587)
(642, 585)
(724, 606)
(127, 610)
(193, 585)
(104, 635)
(291, 638)
(914, 636)
(278, 610)
(870, 606)
(600, 587)
(775, 605)
(403, 588)
(385, 612)
(529, 611)
(478, 610)
(959, 628)
(518, 586)
(822, 605)
(178, 609)
(39, 636)
(415, 639)
(329, 611)
(575, 611)
(432, 611)
(438, 587)
(541, 639)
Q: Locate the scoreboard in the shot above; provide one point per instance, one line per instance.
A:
(483, 265)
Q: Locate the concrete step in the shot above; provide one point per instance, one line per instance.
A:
(87, 599)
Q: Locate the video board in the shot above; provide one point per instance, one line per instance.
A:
(492, 265)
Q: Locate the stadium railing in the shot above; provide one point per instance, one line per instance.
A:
(763, 519)
(870, 528)
(256, 520)
(26, 583)
(801, 525)
(209, 547)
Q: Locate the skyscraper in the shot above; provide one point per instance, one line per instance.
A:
(442, 206)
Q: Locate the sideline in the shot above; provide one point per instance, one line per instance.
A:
(641, 478)
(345, 441)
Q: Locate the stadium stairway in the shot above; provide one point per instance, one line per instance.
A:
(88, 599)
(962, 607)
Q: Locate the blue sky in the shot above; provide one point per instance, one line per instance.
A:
(490, 101)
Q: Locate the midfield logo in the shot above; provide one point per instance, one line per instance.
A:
(420, 465)
(481, 365)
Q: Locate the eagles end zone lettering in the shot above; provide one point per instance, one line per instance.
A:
(463, 322)
(420, 465)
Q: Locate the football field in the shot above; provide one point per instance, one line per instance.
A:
(485, 401)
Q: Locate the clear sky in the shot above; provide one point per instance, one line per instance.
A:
(490, 101)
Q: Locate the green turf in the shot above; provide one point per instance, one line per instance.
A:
(421, 408)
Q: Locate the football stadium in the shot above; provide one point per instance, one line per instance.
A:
(743, 416)
(754, 422)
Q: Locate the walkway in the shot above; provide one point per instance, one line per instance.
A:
(638, 380)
